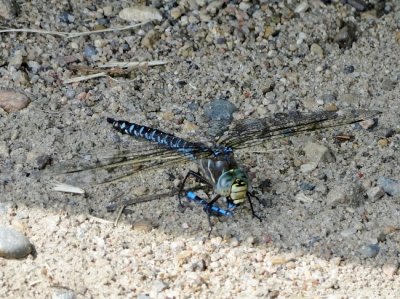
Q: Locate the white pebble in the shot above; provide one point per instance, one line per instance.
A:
(140, 14)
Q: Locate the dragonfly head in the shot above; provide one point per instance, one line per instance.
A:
(233, 184)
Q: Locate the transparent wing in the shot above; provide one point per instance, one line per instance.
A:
(256, 131)
(116, 164)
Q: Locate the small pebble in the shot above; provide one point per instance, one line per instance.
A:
(349, 98)
(16, 59)
(279, 260)
(66, 17)
(390, 268)
(13, 244)
(159, 286)
(301, 38)
(302, 198)
(367, 124)
(269, 31)
(189, 126)
(108, 11)
(359, 5)
(150, 39)
(42, 161)
(219, 109)
(305, 186)
(234, 242)
(317, 50)
(214, 7)
(383, 7)
(140, 13)
(328, 98)
(244, 5)
(348, 232)
(375, 193)
(251, 240)
(51, 222)
(143, 225)
(336, 196)
(331, 107)
(390, 186)
(302, 7)
(348, 69)
(89, 51)
(12, 101)
(308, 167)
(388, 84)
(4, 208)
(33, 66)
(70, 93)
(9, 9)
(346, 36)
(318, 153)
(103, 22)
(383, 142)
(63, 294)
(369, 251)
(176, 12)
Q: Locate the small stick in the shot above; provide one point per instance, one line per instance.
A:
(70, 34)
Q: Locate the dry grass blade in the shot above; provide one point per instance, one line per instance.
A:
(69, 34)
(84, 78)
(133, 64)
(68, 189)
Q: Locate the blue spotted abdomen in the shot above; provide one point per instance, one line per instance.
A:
(160, 137)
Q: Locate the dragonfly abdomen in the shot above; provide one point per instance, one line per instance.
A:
(154, 135)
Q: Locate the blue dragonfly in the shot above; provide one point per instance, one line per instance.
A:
(218, 168)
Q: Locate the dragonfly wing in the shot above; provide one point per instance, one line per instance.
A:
(116, 164)
(256, 131)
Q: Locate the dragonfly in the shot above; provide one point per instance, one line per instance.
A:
(218, 168)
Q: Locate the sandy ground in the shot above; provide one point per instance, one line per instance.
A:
(321, 235)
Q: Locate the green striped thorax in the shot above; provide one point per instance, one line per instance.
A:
(225, 175)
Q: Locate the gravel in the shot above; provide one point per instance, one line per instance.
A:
(337, 240)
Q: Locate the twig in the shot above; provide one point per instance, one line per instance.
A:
(70, 34)
(133, 63)
(117, 68)
(84, 78)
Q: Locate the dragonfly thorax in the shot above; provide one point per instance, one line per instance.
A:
(233, 184)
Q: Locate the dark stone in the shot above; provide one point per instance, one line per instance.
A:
(348, 69)
(219, 109)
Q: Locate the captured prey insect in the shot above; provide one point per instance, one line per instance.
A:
(211, 209)
(218, 168)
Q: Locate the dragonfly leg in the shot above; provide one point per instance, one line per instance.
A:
(249, 194)
(252, 194)
(210, 224)
(207, 209)
(197, 176)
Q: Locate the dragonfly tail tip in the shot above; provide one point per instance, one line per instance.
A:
(110, 120)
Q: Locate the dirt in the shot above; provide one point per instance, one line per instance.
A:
(321, 235)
